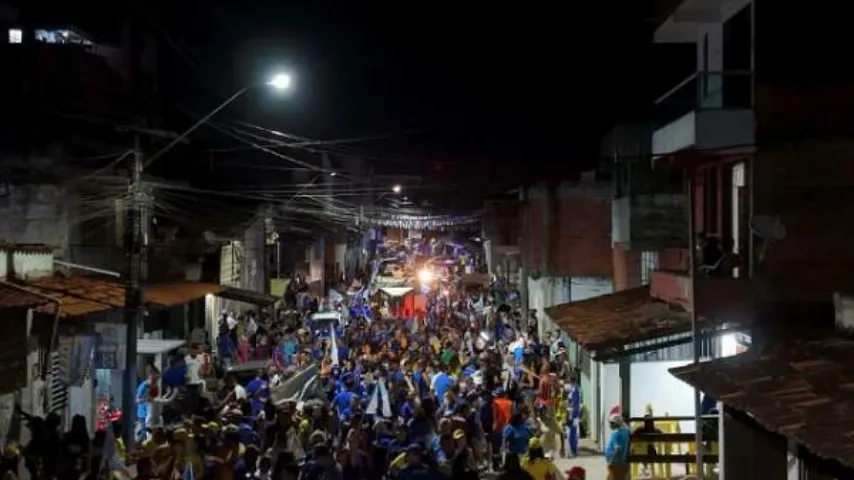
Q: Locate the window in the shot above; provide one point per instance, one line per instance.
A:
(649, 264)
(16, 35)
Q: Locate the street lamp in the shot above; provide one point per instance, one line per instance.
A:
(280, 81)
(396, 189)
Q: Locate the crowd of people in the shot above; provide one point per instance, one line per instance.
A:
(464, 389)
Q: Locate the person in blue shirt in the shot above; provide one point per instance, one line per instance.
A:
(617, 449)
(574, 414)
(441, 383)
(289, 348)
(516, 435)
(344, 398)
(176, 375)
(142, 408)
(226, 349)
(259, 391)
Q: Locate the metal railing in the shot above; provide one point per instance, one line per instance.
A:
(706, 91)
(659, 447)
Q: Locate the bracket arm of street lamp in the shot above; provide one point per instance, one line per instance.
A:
(196, 125)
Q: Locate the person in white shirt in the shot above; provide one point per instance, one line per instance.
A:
(251, 327)
(193, 360)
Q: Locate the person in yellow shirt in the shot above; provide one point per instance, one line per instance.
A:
(183, 448)
(156, 447)
(536, 463)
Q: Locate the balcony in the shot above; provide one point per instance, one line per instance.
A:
(708, 111)
(685, 21)
(724, 299)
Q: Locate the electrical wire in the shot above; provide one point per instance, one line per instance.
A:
(102, 169)
(320, 143)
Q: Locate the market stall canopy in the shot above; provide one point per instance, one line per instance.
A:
(248, 296)
(146, 346)
(396, 291)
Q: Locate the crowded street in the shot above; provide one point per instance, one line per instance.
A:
(422, 367)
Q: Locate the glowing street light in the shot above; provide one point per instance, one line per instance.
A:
(425, 276)
(396, 189)
(280, 81)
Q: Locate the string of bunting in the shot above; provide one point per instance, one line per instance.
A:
(423, 222)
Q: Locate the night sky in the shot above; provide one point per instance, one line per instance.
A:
(487, 85)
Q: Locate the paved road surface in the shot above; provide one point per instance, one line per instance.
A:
(594, 465)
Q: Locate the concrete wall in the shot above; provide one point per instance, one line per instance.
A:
(650, 222)
(36, 214)
(583, 288)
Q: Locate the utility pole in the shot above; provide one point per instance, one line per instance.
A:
(523, 252)
(136, 275)
(695, 330)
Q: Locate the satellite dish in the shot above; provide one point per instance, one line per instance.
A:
(769, 229)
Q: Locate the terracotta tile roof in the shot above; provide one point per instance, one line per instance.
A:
(804, 391)
(82, 295)
(15, 298)
(621, 318)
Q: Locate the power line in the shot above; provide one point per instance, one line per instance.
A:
(319, 143)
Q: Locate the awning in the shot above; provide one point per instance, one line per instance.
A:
(619, 319)
(396, 291)
(247, 296)
(178, 293)
(157, 347)
(803, 391)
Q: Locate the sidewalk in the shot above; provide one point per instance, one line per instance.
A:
(590, 459)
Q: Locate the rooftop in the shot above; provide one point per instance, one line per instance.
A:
(81, 295)
(11, 297)
(621, 318)
(803, 391)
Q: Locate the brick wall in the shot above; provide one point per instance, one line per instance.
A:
(582, 237)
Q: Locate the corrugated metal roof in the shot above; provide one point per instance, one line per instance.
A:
(802, 390)
(621, 318)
